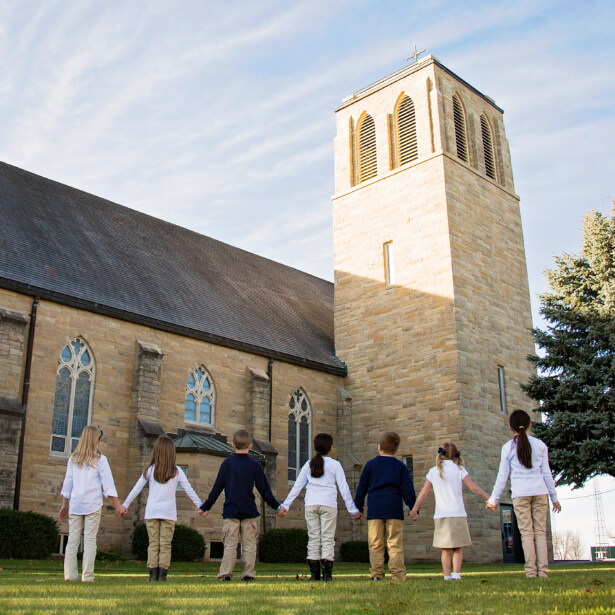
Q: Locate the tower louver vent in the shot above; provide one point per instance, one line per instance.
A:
(460, 129)
(367, 149)
(487, 147)
(406, 126)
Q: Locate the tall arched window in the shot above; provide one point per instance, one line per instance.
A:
(460, 129)
(405, 121)
(200, 401)
(72, 405)
(299, 432)
(487, 146)
(367, 148)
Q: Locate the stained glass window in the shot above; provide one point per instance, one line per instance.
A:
(72, 405)
(200, 400)
(299, 432)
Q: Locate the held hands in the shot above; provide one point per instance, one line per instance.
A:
(413, 514)
(557, 507)
(282, 512)
(356, 516)
(492, 507)
(121, 511)
(203, 513)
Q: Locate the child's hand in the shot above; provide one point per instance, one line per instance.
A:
(203, 513)
(282, 512)
(356, 516)
(121, 511)
(414, 515)
(63, 514)
(492, 507)
(557, 507)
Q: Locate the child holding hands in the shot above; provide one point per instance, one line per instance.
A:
(323, 477)
(450, 519)
(162, 476)
(87, 473)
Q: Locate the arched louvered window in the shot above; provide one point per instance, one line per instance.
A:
(367, 148)
(72, 404)
(487, 147)
(299, 432)
(200, 400)
(460, 129)
(406, 131)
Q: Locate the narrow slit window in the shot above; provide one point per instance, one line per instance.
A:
(487, 147)
(367, 149)
(502, 385)
(406, 131)
(299, 433)
(461, 142)
(389, 264)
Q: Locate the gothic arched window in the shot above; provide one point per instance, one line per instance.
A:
(200, 401)
(72, 405)
(405, 122)
(487, 146)
(299, 432)
(366, 147)
(461, 141)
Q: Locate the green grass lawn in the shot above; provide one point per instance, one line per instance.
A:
(121, 587)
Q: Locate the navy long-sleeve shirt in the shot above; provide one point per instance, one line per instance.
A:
(238, 475)
(387, 484)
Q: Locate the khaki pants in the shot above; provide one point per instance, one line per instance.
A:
(88, 524)
(160, 533)
(321, 523)
(233, 532)
(531, 515)
(391, 533)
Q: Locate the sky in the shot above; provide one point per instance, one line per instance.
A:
(219, 116)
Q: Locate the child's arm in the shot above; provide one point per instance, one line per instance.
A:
(109, 490)
(545, 470)
(501, 480)
(407, 488)
(63, 514)
(301, 481)
(136, 490)
(362, 488)
(414, 513)
(216, 490)
(474, 488)
(185, 483)
(342, 485)
(67, 490)
(262, 486)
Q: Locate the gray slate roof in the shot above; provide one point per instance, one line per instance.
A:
(78, 249)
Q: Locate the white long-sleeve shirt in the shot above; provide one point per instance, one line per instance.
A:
(161, 498)
(322, 491)
(524, 482)
(83, 485)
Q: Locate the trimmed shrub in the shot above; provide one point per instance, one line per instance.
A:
(27, 535)
(284, 546)
(355, 551)
(187, 544)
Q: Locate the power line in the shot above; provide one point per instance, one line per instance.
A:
(590, 495)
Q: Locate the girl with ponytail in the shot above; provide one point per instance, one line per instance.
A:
(526, 460)
(323, 477)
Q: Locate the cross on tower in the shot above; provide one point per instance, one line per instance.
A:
(415, 56)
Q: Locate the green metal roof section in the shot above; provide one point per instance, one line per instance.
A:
(207, 445)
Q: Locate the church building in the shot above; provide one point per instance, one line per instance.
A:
(112, 317)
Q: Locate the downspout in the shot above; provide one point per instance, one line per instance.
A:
(24, 400)
(270, 374)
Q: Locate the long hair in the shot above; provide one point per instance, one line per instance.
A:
(519, 422)
(87, 449)
(322, 445)
(448, 451)
(163, 460)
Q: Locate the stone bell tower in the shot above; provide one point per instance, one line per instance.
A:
(432, 308)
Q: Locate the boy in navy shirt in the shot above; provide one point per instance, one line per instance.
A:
(386, 482)
(238, 475)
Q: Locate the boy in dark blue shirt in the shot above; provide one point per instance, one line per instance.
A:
(386, 482)
(238, 475)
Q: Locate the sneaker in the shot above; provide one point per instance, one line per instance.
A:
(225, 579)
(456, 576)
(376, 579)
(248, 579)
(448, 578)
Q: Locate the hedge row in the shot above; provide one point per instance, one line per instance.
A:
(27, 535)
(187, 545)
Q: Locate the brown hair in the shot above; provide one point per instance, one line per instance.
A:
(389, 441)
(448, 451)
(519, 422)
(87, 448)
(242, 439)
(322, 445)
(163, 460)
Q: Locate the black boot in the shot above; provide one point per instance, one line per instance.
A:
(327, 570)
(162, 574)
(153, 574)
(314, 565)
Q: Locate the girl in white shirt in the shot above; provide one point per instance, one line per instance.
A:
(526, 459)
(162, 475)
(87, 473)
(451, 533)
(323, 477)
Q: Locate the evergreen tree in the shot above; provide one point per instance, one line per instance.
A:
(575, 383)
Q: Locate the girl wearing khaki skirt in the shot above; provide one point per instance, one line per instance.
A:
(451, 533)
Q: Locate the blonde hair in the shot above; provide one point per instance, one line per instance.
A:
(448, 451)
(87, 448)
(163, 460)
